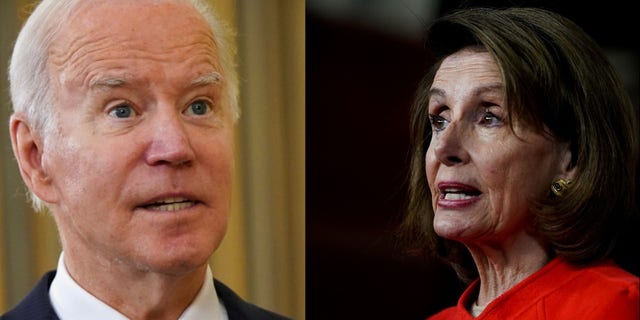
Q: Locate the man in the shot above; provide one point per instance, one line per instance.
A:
(123, 128)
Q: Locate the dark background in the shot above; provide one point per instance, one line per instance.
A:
(360, 81)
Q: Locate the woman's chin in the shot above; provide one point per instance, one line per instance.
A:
(453, 230)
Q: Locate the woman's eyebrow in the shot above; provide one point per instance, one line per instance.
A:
(488, 88)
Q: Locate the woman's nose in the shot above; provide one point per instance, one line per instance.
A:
(450, 145)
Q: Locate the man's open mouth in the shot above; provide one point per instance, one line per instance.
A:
(170, 204)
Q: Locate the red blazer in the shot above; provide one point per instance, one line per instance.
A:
(559, 291)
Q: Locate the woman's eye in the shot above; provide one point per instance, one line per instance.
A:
(489, 119)
(198, 107)
(122, 111)
(438, 123)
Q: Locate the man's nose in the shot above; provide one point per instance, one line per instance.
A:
(170, 142)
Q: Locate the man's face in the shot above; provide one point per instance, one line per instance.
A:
(141, 157)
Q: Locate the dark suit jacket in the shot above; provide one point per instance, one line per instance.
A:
(37, 306)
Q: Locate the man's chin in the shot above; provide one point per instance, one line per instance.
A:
(174, 263)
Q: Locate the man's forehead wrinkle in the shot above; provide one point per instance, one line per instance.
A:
(88, 65)
(84, 46)
(104, 58)
(64, 53)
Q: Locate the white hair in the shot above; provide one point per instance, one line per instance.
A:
(30, 82)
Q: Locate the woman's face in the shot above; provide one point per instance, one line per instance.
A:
(481, 174)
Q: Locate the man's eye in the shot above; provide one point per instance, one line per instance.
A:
(122, 111)
(198, 107)
(438, 123)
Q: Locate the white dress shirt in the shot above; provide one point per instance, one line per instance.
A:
(72, 302)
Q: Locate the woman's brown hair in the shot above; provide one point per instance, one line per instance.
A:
(558, 81)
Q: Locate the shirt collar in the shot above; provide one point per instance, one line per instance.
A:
(71, 301)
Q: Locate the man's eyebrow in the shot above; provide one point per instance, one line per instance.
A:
(112, 82)
(207, 79)
(107, 82)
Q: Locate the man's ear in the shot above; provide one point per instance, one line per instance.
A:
(27, 148)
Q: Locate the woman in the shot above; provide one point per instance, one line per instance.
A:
(523, 168)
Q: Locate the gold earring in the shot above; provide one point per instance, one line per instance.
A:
(560, 186)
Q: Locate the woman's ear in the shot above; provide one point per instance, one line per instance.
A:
(27, 148)
(567, 169)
